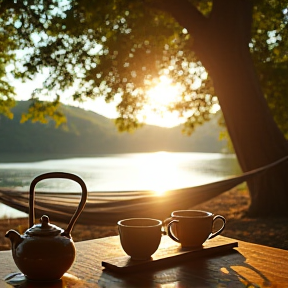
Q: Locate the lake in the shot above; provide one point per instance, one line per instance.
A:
(157, 171)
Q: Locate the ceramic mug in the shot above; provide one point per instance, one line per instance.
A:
(191, 228)
(140, 237)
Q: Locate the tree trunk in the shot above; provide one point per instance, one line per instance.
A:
(256, 138)
(221, 43)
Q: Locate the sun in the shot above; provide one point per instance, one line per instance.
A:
(163, 93)
(159, 98)
(155, 111)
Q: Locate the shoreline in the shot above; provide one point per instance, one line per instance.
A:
(231, 204)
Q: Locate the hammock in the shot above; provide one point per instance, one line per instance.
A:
(106, 208)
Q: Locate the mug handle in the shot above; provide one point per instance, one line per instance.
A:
(170, 233)
(212, 235)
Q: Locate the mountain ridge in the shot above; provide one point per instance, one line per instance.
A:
(87, 132)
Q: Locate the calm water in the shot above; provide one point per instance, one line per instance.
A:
(136, 171)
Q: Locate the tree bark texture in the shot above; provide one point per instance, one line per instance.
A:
(221, 42)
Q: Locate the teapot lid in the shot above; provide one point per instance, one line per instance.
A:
(44, 228)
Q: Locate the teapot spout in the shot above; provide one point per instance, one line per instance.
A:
(14, 237)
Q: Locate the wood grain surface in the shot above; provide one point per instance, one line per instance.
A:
(248, 265)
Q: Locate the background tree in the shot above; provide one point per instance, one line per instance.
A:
(122, 47)
(6, 90)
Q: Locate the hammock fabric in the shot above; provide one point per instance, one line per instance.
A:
(106, 208)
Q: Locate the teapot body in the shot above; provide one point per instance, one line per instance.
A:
(44, 258)
(45, 252)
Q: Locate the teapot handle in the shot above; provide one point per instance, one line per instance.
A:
(64, 175)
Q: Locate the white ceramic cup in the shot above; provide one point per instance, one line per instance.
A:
(191, 228)
(140, 237)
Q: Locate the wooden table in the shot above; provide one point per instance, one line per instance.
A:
(248, 265)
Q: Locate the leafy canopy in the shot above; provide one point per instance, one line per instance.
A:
(121, 48)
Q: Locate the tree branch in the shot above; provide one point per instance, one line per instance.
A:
(185, 13)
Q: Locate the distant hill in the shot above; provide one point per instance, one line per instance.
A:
(88, 133)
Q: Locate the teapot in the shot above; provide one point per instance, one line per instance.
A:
(45, 252)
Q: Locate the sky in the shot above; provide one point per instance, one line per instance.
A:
(163, 94)
(159, 97)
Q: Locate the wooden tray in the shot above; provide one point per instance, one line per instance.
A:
(169, 253)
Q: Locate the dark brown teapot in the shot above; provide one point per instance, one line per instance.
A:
(45, 252)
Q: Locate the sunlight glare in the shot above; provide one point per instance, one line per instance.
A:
(159, 98)
(163, 93)
(161, 171)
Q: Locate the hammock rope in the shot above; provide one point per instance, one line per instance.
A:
(106, 208)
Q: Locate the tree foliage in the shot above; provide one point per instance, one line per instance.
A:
(269, 48)
(122, 47)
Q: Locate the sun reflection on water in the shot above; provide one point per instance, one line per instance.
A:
(161, 171)
(158, 171)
